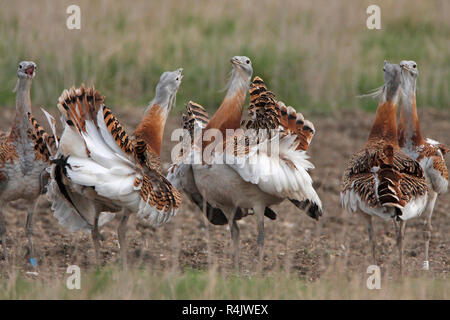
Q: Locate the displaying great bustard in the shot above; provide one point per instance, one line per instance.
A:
(429, 153)
(98, 167)
(381, 180)
(22, 166)
(195, 121)
(254, 178)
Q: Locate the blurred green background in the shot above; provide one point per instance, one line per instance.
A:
(315, 55)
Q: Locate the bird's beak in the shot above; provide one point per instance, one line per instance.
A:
(235, 61)
(29, 71)
(406, 67)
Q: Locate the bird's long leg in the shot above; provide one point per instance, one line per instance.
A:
(29, 225)
(428, 228)
(205, 219)
(395, 226)
(122, 233)
(96, 236)
(3, 233)
(234, 231)
(371, 237)
(259, 212)
(400, 238)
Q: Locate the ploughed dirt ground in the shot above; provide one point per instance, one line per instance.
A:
(294, 242)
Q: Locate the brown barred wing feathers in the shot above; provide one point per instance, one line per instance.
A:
(160, 200)
(382, 176)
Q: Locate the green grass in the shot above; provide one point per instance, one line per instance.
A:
(112, 283)
(314, 56)
(411, 40)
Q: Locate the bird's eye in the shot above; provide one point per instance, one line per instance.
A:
(20, 66)
(247, 62)
(177, 78)
(414, 66)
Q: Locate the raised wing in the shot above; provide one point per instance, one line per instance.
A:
(270, 155)
(196, 117)
(101, 161)
(265, 112)
(181, 175)
(45, 145)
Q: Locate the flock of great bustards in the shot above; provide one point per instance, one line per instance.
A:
(94, 170)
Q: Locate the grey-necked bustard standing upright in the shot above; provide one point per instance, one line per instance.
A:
(22, 167)
(429, 153)
(381, 180)
(195, 121)
(256, 179)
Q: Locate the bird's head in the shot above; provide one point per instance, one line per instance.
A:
(26, 70)
(410, 67)
(167, 88)
(242, 65)
(410, 72)
(169, 82)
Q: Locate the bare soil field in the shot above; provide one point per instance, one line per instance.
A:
(294, 242)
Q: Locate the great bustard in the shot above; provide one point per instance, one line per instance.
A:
(195, 121)
(381, 180)
(22, 167)
(98, 167)
(255, 178)
(429, 153)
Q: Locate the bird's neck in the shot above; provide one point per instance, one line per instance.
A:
(385, 126)
(408, 126)
(229, 114)
(23, 107)
(151, 128)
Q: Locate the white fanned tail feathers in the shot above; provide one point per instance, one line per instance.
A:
(96, 160)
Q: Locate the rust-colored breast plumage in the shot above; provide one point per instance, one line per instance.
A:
(151, 128)
(399, 177)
